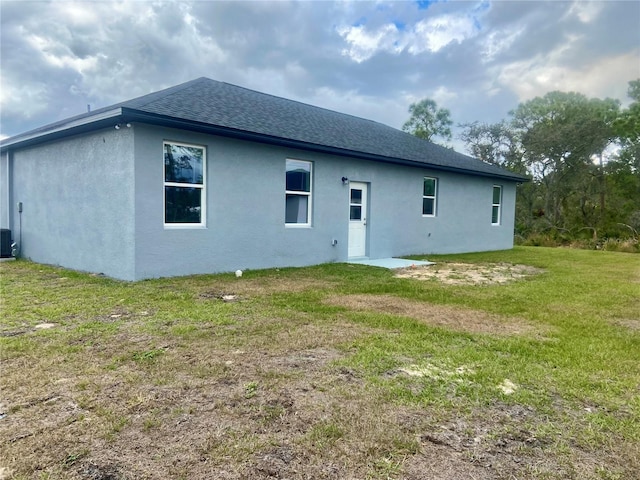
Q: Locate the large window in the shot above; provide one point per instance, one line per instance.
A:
(298, 193)
(429, 194)
(495, 207)
(184, 184)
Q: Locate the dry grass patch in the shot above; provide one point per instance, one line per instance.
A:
(455, 318)
(630, 323)
(511, 441)
(470, 273)
(254, 414)
(261, 403)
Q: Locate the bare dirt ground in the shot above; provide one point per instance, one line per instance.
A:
(456, 318)
(260, 414)
(470, 274)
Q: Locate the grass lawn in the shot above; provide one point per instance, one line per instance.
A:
(336, 371)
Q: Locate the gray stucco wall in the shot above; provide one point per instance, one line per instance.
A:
(246, 202)
(78, 201)
(95, 203)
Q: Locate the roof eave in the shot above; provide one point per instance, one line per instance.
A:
(173, 122)
(60, 130)
(111, 117)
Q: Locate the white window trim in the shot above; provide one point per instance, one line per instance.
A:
(434, 196)
(297, 192)
(499, 205)
(203, 187)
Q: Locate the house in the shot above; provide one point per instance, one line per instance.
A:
(211, 177)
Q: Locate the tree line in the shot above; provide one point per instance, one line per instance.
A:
(581, 154)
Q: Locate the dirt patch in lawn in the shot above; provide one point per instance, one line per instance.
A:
(461, 319)
(506, 441)
(630, 323)
(469, 273)
(244, 287)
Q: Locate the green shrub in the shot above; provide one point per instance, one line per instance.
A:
(539, 240)
(628, 245)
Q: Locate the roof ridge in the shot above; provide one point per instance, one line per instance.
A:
(165, 92)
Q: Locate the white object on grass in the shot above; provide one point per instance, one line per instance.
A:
(507, 387)
(238, 273)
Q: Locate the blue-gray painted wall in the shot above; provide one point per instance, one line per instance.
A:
(78, 199)
(246, 204)
(95, 203)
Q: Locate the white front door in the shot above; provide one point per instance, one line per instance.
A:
(357, 219)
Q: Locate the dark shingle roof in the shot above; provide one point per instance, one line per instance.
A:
(207, 103)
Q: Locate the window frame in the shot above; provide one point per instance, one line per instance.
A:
(299, 193)
(495, 205)
(202, 187)
(433, 197)
(353, 204)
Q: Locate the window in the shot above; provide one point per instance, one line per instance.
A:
(355, 204)
(298, 193)
(184, 185)
(429, 192)
(495, 207)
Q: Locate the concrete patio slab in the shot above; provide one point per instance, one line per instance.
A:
(390, 263)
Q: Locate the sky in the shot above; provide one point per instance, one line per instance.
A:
(479, 59)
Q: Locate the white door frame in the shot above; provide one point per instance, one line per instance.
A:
(358, 218)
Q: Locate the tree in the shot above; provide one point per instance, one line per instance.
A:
(560, 134)
(578, 183)
(427, 120)
(627, 127)
(494, 143)
(624, 171)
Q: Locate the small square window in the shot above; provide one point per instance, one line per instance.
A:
(356, 196)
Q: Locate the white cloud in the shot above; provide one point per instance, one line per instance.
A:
(429, 35)
(498, 42)
(364, 44)
(26, 99)
(443, 96)
(586, 12)
(57, 54)
(433, 34)
(78, 13)
(543, 74)
(389, 111)
(274, 81)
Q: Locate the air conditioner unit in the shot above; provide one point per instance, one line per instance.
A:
(5, 243)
